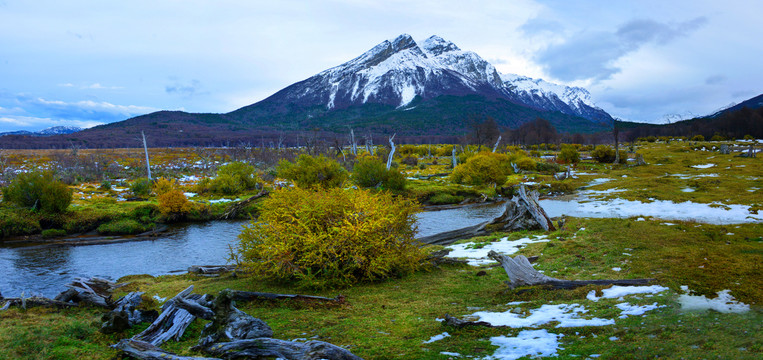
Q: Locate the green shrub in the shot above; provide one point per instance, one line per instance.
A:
(525, 163)
(105, 185)
(545, 167)
(51, 233)
(331, 238)
(122, 227)
(20, 222)
(561, 187)
(38, 191)
(371, 172)
(606, 154)
(313, 172)
(444, 199)
(141, 187)
(569, 154)
(483, 168)
(698, 138)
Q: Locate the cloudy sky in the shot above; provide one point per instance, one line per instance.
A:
(83, 63)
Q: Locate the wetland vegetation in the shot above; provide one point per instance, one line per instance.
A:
(395, 313)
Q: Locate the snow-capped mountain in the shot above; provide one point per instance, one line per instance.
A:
(396, 72)
(55, 130)
(549, 96)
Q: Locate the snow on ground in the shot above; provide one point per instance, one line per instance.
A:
(663, 209)
(724, 303)
(703, 166)
(535, 343)
(222, 201)
(477, 257)
(617, 291)
(436, 338)
(628, 309)
(568, 315)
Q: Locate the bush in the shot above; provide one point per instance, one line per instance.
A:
(569, 155)
(51, 233)
(606, 154)
(371, 172)
(38, 191)
(331, 238)
(122, 227)
(483, 168)
(410, 161)
(545, 167)
(105, 185)
(444, 198)
(162, 185)
(698, 138)
(525, 163)
(313, 172)
(174, 204)
(141, 187)
(20, 222)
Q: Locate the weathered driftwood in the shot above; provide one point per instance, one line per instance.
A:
(227, 323)
(522, 212)
(33, 301)
(239, 295)
(211, 269)
(458, 323)
(94, 291)
(172, 322)
(275, 348)
(522, 273)
(233, 210)
(126, 314)
(144, 350)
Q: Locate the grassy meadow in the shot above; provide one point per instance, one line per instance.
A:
(393, 319)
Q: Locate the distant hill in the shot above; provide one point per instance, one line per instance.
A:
(745, 118)
(421, 91)
(55, 130)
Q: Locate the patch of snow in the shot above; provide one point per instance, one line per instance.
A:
(477, 257)
(640, 219)
(436, 338)
(621, 208)
(616, 269)
(189, 194)
(159, 299)
(724, 303)
(703, 166)
(568, 315)
(687, 190)
(535, 343)
(628, 309)
(617, 291)
(448, 353)
(221, 201)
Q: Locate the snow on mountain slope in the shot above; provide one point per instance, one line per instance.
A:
(395, 72)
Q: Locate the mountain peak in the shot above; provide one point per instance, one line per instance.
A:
(436, 45)
(403, 42)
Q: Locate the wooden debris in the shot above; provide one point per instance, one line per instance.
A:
(522, 212)
(232, 211)
(144, 350)
(251, 295)
(94, 291)
(521, 273)
(172, 322)
(34, 301)
(126, 314)
(458, 323)
(275, 348)
(211, 269)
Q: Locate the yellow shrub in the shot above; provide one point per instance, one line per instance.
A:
(174, 203)
(162, 185)
(331, 237)
(483, 168)
(526, 163)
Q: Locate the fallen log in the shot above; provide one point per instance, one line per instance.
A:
(233, 210)
(522, 273)
(94, 291)
(522, 212)
(34, 301)
(275, 348)
(172, 322)
(144, 350)
(251, 295)
(227, 323)
(211, 269)
(126, 314)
